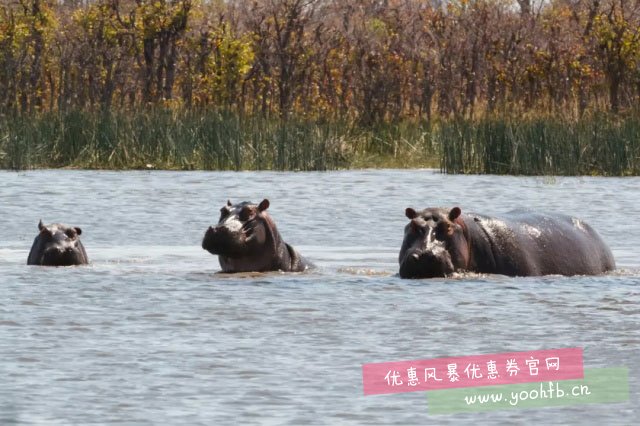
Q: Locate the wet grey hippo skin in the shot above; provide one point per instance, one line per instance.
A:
(246, 240)
(438, 242)
(57, 245)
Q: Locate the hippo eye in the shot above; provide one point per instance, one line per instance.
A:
(71, 233)
(245, 214)
(223, 213)
(416, 229)
(442, 230)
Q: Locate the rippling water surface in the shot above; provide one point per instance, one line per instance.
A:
(149, 333)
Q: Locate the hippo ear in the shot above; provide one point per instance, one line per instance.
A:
(78, 230)
(40, 225)
(410, 213)
(264, 204)
(229, 203)
(454, 213)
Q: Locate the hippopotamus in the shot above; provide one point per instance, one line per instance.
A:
(246, 240)
(57, 245)
(440, 241)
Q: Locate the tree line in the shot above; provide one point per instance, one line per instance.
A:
(364, 60)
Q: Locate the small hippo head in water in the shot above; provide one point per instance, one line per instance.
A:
(246, 240)
(57, 245)
(434, 244)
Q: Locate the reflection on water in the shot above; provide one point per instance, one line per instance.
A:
(151, 333)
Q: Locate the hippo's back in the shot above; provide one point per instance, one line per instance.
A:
(541, 244)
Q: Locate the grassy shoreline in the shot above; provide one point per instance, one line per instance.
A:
(213, 140)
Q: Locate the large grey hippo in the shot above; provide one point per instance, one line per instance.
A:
(246, 240)
(57, 245)
(439, 241)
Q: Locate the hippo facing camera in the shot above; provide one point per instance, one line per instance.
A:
(246, 240)
(57, 245)
(438, 242)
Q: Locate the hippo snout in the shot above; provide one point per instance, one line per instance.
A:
(57, 251)
(425, 264)
(208, 236)
(220, 239)
(62, 256)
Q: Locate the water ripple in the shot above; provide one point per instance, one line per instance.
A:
(150, 332)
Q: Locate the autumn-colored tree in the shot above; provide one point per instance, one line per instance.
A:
(362, 60)
(616, 30)
(26, 27)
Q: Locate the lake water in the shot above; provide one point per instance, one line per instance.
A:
(149, 333)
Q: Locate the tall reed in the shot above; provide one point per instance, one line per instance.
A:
(170, 140)
(598, 145)
(220, 140)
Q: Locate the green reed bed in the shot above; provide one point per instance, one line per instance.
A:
(598, 145)
(168, 140)
(207, 140)
(215, 140)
